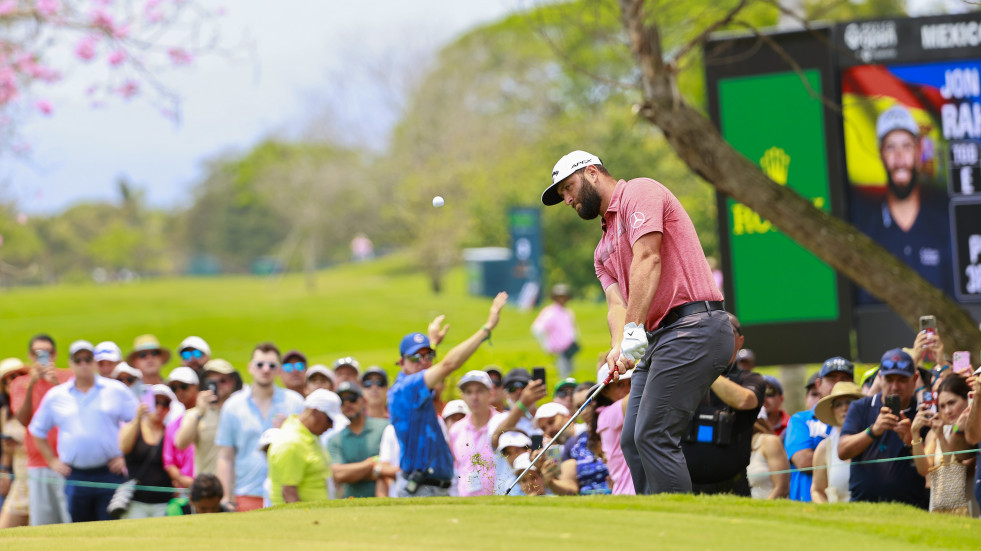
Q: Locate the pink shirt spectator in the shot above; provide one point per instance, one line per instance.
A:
(182, 459)
(557, 325)
(473, 458)
(639, 207)
(608, 425)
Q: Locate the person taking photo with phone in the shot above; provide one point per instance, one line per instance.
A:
(946, 435)
(45, 488)
(880, 427)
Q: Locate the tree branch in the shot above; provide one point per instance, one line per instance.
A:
(707, 31)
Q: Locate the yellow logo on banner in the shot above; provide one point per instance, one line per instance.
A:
(776, 164)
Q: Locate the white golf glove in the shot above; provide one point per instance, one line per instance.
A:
(634, 343)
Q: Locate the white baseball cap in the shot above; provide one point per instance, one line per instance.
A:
(604, 371)
(79, 346)
(350, 362)
(196, 343)
(123, 367)
(896, 117)
(323, 370)
(566, 166)
(163, 390)
(551, 409)
(513, 439)
(522, 462)
(453, 407)
(267, 438)
(327, 402)
(184, 375)
(476, 376)
(109, 351)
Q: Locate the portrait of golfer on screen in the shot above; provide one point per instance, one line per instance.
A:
(894, 154)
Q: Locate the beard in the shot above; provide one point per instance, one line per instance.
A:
(589, 200)
(901, 192)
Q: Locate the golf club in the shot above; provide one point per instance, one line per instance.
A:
(599, 388)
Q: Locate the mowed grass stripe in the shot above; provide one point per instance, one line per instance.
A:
(608, 522)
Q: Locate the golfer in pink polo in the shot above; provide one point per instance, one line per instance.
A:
(665, 311)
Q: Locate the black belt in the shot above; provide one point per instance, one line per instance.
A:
(439, 483)
(690, 308)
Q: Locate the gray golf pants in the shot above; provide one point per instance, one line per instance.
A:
(681, 363)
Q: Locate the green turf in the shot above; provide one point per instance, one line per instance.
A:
(608, 522)
(358, 310)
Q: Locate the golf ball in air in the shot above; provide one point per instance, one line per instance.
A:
(438, 201)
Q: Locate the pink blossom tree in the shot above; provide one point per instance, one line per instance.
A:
(121, 46)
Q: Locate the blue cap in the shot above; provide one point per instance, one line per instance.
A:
(896, 361)
(836, 364)
(412, 343)
(774, 382)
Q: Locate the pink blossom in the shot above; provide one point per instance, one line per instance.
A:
(122, 31)
(86, 48)
(45, 106)
(102, 19)
(8, 7)
(117, 57)
(48, 7)
(42, 73)
(129, 89)
(8, 85)
(180, 56)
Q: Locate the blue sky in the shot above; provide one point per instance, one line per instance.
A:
(305, 51)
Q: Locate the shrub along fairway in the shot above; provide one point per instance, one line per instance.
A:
(609, 522)
(358, 310)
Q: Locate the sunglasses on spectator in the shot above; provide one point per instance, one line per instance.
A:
(179, 387)
(349, 397)
(420, 357)
(127, 380)
(189, 353)
(83, 359)
(270, 365)
(147, 353)
(771, 392)
(373, 382)
(294, 366)
(516, 386)
(563, 393)
(843, 402)
(163, 403)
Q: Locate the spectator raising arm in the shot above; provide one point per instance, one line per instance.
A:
(462, 352)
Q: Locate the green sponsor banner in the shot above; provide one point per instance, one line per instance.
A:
(775, 121)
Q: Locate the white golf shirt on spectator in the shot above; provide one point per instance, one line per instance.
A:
(88, 422)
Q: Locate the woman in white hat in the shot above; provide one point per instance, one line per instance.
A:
(14, 458)
(831, 473)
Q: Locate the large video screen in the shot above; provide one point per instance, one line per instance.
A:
(912, 135)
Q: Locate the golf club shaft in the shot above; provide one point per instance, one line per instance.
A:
(555, 438)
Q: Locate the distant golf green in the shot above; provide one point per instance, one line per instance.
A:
(608, 522)
(360, 310)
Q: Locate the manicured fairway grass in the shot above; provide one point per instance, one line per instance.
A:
(599, 523)
(358, 310)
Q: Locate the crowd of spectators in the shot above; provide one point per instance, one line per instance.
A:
(111, 437)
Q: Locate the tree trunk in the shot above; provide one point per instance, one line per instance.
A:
(839, 244)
